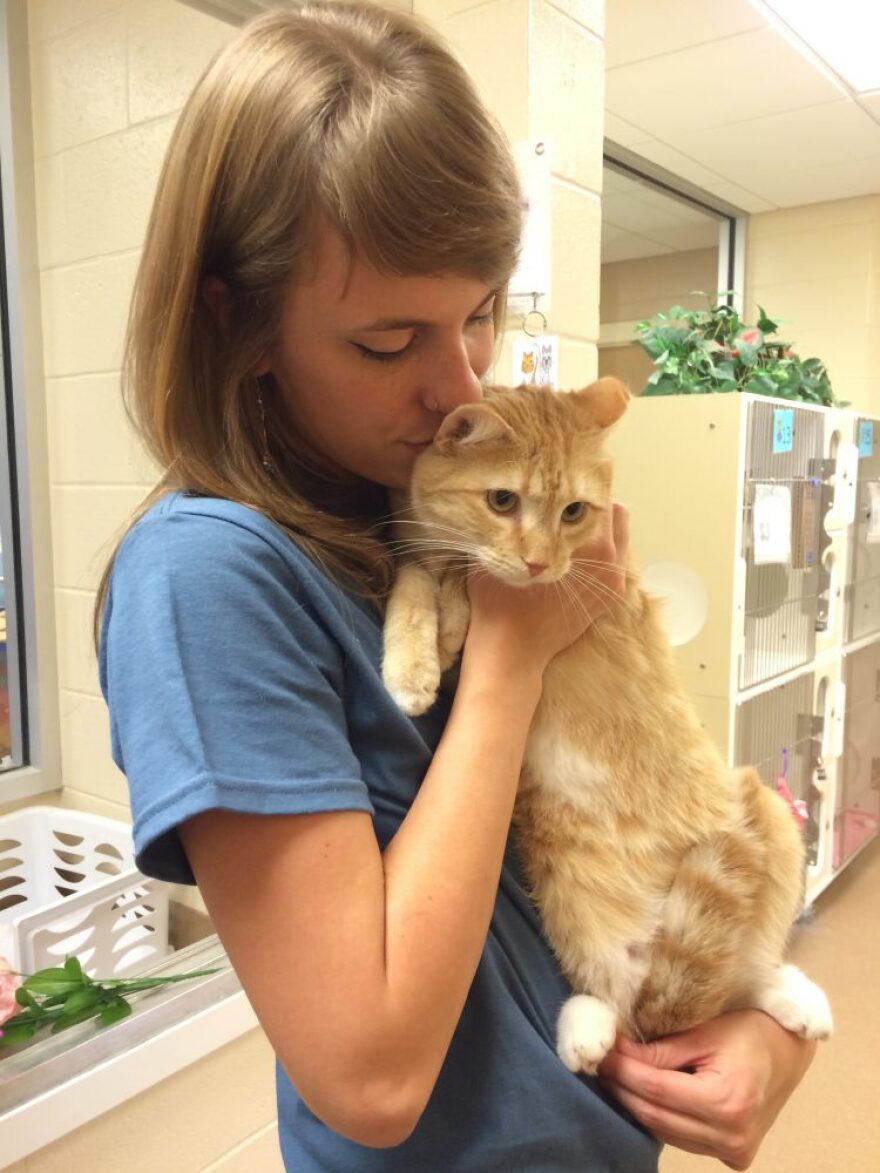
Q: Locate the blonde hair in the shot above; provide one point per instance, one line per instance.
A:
(341, 111)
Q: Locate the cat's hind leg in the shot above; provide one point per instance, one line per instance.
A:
(796, 1003)
(585, 1032)
(588, 1022)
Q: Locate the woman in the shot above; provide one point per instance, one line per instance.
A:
(333, 231)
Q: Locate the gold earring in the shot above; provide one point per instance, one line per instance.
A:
(264, 437)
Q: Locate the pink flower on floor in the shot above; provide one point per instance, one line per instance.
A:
(9, 983)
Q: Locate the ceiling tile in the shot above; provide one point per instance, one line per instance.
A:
(740, 197)
(636, 29)
(630, 247)
(624, 133)
(816, 184)
(821, 136)
(679, 164)
(869, 102)
(642, 213)
(751, 75)
(689, 236)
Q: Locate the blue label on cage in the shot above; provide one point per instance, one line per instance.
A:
(783, 429)
(866, 438)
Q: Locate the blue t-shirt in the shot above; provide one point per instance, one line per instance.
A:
(240, 676)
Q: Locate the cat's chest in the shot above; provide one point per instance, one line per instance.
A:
(560, 766)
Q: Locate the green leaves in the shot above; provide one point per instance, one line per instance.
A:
(712, 351)
(60, 997)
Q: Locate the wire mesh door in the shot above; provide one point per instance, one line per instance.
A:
(857, 818)
(778, 733)
(780, 548)
(863, 587)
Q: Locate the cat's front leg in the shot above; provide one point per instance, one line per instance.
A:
(455, 615)
(410, 663)
(585, 1032)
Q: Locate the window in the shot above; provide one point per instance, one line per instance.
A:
(664, 243)
(29, 759)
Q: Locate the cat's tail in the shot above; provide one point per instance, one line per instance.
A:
(726, 917)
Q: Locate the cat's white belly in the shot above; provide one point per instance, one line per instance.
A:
(563, 769)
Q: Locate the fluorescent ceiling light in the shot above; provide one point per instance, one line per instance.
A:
(845, 35)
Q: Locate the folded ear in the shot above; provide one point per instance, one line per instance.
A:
(606, 400)
(472, 423)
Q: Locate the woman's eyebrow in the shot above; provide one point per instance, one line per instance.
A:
(411, 323)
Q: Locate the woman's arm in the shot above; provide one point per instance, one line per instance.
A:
(741, 1069)
(357, 963)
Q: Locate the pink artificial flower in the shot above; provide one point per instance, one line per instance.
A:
(751, 337)
(9, 983)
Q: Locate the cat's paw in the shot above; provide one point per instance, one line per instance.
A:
(797, 1004)
(413, 691)
(585, 1033)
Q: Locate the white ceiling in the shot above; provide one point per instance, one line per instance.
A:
(712, 92)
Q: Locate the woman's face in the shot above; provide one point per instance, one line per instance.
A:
(369, 364)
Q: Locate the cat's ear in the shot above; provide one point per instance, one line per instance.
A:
(472, 423)
(606, 400)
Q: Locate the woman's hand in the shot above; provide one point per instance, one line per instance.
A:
(744, 1067)
(532, 624)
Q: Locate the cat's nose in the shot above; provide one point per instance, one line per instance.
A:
(535, 568)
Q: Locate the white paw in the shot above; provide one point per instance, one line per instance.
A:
(585, 1033)
(416, 698)
(797, 1004)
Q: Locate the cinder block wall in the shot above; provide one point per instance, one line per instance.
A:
(816, 270)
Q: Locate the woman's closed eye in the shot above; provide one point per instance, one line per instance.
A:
(382, 355)
(481, 321)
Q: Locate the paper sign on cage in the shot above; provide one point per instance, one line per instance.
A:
(771, 525)
(536, 360)
(874, 512)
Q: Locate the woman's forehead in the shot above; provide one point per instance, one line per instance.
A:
(365, 298)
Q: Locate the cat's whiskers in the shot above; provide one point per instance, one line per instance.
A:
(578, 603)
(627, 572)
(609, 595)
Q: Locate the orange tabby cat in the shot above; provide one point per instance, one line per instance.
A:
(667, 883)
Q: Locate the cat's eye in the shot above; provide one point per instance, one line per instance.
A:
(574, 511)
(502, 500)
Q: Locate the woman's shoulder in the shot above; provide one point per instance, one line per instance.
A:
(192, 531)
(194, 552)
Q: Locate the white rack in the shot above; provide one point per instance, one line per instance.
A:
(758, 520)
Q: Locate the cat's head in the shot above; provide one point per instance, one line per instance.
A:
(520, 481)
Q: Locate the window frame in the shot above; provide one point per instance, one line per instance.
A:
(732, 236)
(31, 601)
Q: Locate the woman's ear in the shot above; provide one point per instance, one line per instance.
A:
(218, 298)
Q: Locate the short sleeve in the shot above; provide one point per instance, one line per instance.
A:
(224, 689)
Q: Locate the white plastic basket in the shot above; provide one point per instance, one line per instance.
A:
(68, 886)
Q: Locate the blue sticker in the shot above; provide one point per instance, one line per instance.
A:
(783, 429)
(866, 438)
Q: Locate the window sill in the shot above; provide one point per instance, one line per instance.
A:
(51, 1087)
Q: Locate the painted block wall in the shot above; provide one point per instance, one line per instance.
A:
(816, 270)
(108, 77)
(540, 68)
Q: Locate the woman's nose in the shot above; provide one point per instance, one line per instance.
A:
(450, 382)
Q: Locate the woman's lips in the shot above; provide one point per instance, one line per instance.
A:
(418, 445)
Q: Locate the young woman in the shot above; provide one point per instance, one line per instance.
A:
(333, 231)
